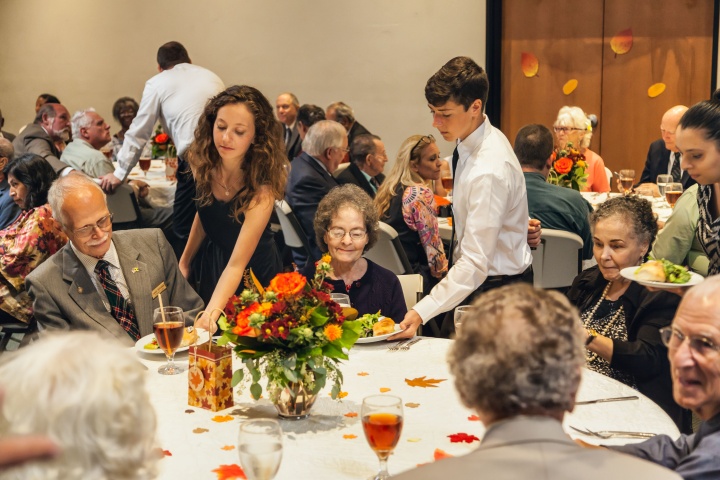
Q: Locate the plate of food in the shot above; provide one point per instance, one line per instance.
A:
(661, 274)
(376, 328)
(148, 343)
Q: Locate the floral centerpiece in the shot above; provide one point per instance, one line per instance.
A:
(568, 168)
(161, 145)
(292, 334)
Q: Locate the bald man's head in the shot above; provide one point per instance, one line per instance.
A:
(669, 124)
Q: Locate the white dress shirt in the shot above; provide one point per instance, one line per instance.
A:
(177, 98)
(490, 217)
(116, 272)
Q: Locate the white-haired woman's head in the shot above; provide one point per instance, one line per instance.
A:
(572, 125)
(87, 393)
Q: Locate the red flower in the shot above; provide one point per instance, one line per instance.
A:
(563, 165)
(161, 138)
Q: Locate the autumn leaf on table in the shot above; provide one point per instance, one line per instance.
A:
(424, 382)
(474, 418)
(340, 394)
(200, 430)
(222, 418)
(351, 414)
(412, 405)
(228, 447)
(189, 410)
(349, 436)
(229, 472)
(440, 454)
(384, 389)
(622, 42)
(363, 374)
(529, 64)
(463, 437)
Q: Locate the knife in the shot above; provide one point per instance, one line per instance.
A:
(603, 400)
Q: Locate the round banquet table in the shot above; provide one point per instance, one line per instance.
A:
(162, 190)
(331, 445)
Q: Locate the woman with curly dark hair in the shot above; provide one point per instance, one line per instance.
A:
(32, 238)
(623, 318)
(240, 167)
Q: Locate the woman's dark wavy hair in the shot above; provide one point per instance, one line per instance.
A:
(36, 174)
(265, 162)
(705, 116)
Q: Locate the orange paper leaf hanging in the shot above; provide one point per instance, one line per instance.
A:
(570, 86)
(622, 42)
(529, 64)
(424, 382)
(229, 472)
(656, 89)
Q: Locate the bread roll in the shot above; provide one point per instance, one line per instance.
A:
(652, 271)
(383, 327)
(190, 335)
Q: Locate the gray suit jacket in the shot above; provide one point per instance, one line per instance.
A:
(34, 139)
(65, 297)
(537, 447)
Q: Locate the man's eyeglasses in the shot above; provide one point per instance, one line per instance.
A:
(103, 224)
(673, 338)
(344, 150)
(425, 138)
(338, 233)
(567, 129)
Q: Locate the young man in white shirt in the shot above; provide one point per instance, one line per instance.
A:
(489, 197)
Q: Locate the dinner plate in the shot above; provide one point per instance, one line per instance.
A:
(379, 338)
(203, 336)
(629, 273)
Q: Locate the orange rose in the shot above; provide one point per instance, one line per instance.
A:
(161, 138)
(287, 283)
(563, 165)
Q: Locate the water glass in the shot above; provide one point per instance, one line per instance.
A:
(260, 448)
(341, 299)
(459, 316)
(662, 181)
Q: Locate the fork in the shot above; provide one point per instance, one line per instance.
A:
(606, 434)
(396, 347)
(409, 344)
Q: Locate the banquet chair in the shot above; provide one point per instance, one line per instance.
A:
(124, 206)
(340, 169)
(412, 287)
(13, 332)
(608, 172)
(388, 252)
(291, 228)
(554, 264)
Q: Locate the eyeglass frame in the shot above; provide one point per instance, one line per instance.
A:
(344, 150)
(697, 343)
(430, 139)
(356, 231)
(91, 228)
(558, 129)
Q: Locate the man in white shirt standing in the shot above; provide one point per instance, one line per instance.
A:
(176, 97)
(489, 198)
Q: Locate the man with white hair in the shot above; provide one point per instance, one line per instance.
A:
(103, 280)
(311, 178)
(51, 125)
(90, 134)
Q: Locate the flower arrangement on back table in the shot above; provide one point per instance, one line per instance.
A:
(290, 332)
(162, 145)
(568, 168)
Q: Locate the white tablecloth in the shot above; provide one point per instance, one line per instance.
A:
(659, 205)
(316, 447)
(162, 191)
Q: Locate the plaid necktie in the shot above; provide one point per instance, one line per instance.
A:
(675, 170)
(120, 308)
(455, 158)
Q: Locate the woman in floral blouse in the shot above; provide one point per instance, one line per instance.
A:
(32, 238)
(406, 203)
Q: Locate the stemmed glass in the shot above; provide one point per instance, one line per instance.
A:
(168, 326)
(260, 448)
(382, 421)
(447, 183)
(673, 192)
(662, 183)
(145, 165)
(459, 316)
(627, 179)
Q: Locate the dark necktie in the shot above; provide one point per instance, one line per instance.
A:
(455, 159)
(287, 135)
(675, 170)
(375, 183)
(120, 308)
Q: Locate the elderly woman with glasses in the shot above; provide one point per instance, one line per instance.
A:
(573, 126)
(31, 239)
(623, 318)
(405, 202)
(346, 226)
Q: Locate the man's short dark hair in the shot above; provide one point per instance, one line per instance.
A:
(533, 146)
(49, 98)
(171, 54)
(362, 146)
(47, 109)
(460, 80)
(309, 114)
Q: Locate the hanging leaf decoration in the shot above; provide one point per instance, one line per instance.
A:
(656, 89)
(570, 86)
(529, 64)
(622, 42)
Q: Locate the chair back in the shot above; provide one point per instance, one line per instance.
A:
(558, 259)
(388, 252)
(291, 228)
(341, 168)
(608, 172)
(124, 206)
(412, 287)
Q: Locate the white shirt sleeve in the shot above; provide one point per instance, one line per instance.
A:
(139, 132)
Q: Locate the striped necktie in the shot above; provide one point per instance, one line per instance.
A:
(675, 170)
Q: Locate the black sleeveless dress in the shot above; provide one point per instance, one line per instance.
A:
(221, 234)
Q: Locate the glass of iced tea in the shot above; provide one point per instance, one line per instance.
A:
(673, 192)
(169, 326)
(627, 180)
(382, 421)
(447, 183)
(145, 165)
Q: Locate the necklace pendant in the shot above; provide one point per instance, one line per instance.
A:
(227, 193)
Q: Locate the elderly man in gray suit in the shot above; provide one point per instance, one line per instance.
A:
(101, 280)
(517, 362)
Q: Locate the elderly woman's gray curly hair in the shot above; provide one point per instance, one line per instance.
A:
(636, 214)
(519, 352)
(348, 195)
(87, 394)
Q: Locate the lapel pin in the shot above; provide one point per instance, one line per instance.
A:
(79, 289)
(135, 269)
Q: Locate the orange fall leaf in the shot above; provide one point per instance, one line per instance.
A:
(349, 436)
(440, 454)
(200, 430)
(228, 447)
(384, 389)
(656, 89)
(474, 418)
(529, 64)
(229, 472)
(412, 405)
(570, 86)
(622, 42)
(222, 418)
(351, 414)
(424, 382)
(363, 374)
